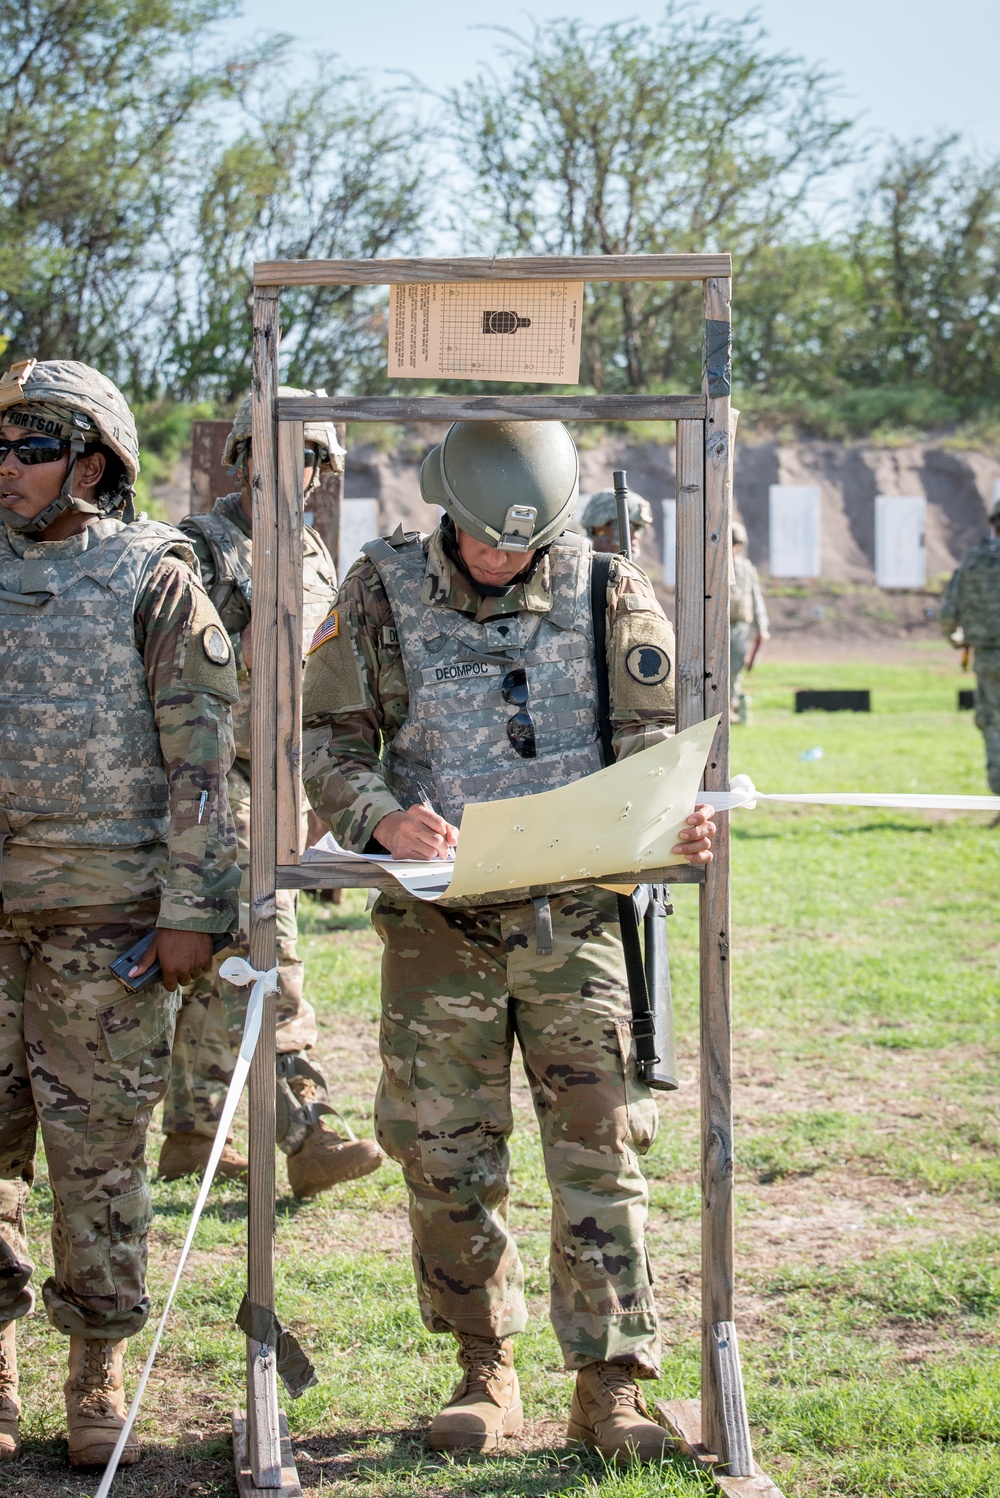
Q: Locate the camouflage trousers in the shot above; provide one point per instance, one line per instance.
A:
(211, 1022)
(86, 1063)
(740, 637)
(458, 988)
(988, 712)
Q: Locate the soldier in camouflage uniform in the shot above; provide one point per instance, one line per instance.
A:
(970, 614)
(210, 1023)
(748, 621)
(600, 521)
(117, 680)
(460, 667)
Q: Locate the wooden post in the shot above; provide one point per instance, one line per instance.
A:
(288, 799)
(689, 684)
(717, 1243)
(263, 1435)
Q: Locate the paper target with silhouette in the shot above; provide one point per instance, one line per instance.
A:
(486, 330)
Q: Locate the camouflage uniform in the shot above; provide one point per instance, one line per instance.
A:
(972, 604)
(211, 1021)
(460, 980)
(112, 782)
(747, 619)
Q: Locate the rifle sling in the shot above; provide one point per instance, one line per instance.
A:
(643, 1026)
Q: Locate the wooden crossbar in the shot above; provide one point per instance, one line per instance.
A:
(492, 408)
(485, 268)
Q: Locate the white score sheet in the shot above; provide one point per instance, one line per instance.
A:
(486, 330)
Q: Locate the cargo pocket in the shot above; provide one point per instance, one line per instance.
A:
(639, 1104)
(132, 1067)
(395, 1105)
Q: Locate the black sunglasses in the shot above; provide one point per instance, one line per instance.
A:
(31, 450)
(520, 729)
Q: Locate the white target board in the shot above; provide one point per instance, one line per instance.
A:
(358, 524)
(794, 530)
(900, 552)
(670, 542)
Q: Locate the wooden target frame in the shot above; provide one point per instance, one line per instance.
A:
(714, 1431)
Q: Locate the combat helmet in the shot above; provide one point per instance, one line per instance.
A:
(69, 400)
(601, 509)
(322, 433)
(510, 484)
(740, 537)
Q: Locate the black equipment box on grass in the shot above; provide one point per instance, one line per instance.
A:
(966, 699)
(833, 702)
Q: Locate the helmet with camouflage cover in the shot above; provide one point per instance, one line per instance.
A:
(82, 408)
(740, 537)
(602, 509)
(322, 434)
(509, 484)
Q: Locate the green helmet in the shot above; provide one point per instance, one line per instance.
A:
(73, 401)
(322, 433)
(740, 537)
(602, 509)
(510, 484)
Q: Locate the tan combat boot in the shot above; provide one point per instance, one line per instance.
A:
(608, 1415)
(325, 1158)
(95, 1403)
(187, 1155)
(487, 1403)
(10, 1405)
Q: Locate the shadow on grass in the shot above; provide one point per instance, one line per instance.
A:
(204, 1468)
(385, 1457)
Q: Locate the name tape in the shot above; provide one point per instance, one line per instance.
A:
(461, 671)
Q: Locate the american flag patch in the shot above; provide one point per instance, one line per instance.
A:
(328, 630)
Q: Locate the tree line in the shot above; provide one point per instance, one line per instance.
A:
(143, 167)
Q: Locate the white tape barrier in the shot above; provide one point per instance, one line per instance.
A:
(744, 793)
(237, 971)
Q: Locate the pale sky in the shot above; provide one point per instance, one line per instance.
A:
(911, 66)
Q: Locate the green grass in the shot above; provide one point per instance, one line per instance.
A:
(866, 982)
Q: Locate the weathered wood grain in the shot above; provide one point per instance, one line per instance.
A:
(519, 268)
(245, 1485)
(264, 1454)
(491, 408)
(717, 1242)
(682, 1417)
(689, 680)
(289, 641)
(349, 873)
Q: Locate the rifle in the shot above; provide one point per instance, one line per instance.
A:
(649, 973)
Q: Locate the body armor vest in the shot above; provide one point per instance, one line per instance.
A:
(79, 750)
(741, 594)
(979, 595)
(454, 738)
(232, 562)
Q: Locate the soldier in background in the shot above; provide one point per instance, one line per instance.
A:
(970, 615)
(600, 521)
(117, 678)
(460, 667)
(211, 1020)
(748, 621)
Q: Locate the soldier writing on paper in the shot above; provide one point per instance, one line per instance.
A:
(463, 669)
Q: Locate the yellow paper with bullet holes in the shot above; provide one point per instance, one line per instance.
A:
(620, 820)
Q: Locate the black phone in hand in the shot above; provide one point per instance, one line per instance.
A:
(122, 966)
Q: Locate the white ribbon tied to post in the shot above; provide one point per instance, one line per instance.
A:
(743, 793)
(235, 970)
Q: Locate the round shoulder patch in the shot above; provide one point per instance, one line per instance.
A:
(216, 645)
(648, 664)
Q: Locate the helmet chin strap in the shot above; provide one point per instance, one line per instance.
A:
(65, 500)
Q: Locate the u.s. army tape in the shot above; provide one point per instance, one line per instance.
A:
(237, 971)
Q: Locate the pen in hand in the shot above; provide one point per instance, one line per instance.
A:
(425, 800)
